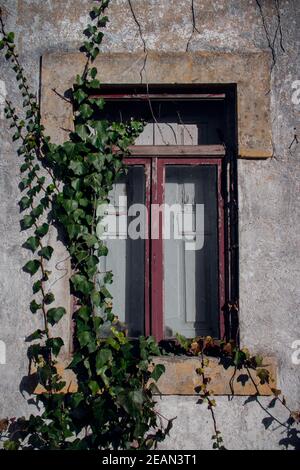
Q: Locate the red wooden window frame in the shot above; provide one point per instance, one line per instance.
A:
(155, 182)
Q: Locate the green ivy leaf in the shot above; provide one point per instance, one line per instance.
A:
(108, 278)
(45, 373)
(95, 12)
(37, 286)
(157, 372)
(16, 136)
(96, 161)
(46, 252)
(49, 298)
(86, 338)
(85, 111)
(82, 131)
(8, 55)
(11, 445)
(76, 183)
(55, 314)
(105, 293)
(93, 385)
(263, 375)
(37, 211)
(78, 168)
(102, 22)
(132, 402)
(73, 230)
(92, 265)
(24, 203)
(102, 250)
(103, 357)
(84, 313)
(90, 240)
(90, 30)
(10, 37)
(42, 230)
(77, 398)
(94, 54)
(82, 284)
(95, 298)
(32, 243)
(80, 95)
(34, 307)
(239, 358)
(113, 343)
(79, 214)
(98, 38)
(38, 334)
(259, 360)
(93, 72)
(34, 351)
(98, 102)
(102, 373)
(95, 83)
(27, 222)
(32, 266)
(23, 185)
(70, 205)
(148, 347)
(45, 202)
(55, 344)
(24, 167)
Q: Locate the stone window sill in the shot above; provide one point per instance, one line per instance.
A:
(180, 377)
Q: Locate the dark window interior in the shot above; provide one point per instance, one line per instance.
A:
(207, 115)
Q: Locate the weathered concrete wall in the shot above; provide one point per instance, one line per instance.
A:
(269, 194)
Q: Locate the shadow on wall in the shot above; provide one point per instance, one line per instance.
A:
(291, 439)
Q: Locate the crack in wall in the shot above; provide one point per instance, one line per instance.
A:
(143, 69)
(278, 31)
(295, 139)
(195, 28)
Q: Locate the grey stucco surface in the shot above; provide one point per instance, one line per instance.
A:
(269, 193)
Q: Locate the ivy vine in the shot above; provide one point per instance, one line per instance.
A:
(62, 185)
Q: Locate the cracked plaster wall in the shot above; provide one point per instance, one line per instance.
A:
(269, 193)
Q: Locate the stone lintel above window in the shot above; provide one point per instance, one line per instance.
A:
(249, 71)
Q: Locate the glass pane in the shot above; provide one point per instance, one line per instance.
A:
(173, 122)
(191, 252)
(126, 256)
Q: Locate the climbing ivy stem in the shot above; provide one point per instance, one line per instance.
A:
(110, 371)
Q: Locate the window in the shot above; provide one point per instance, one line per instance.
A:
(166, 225)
